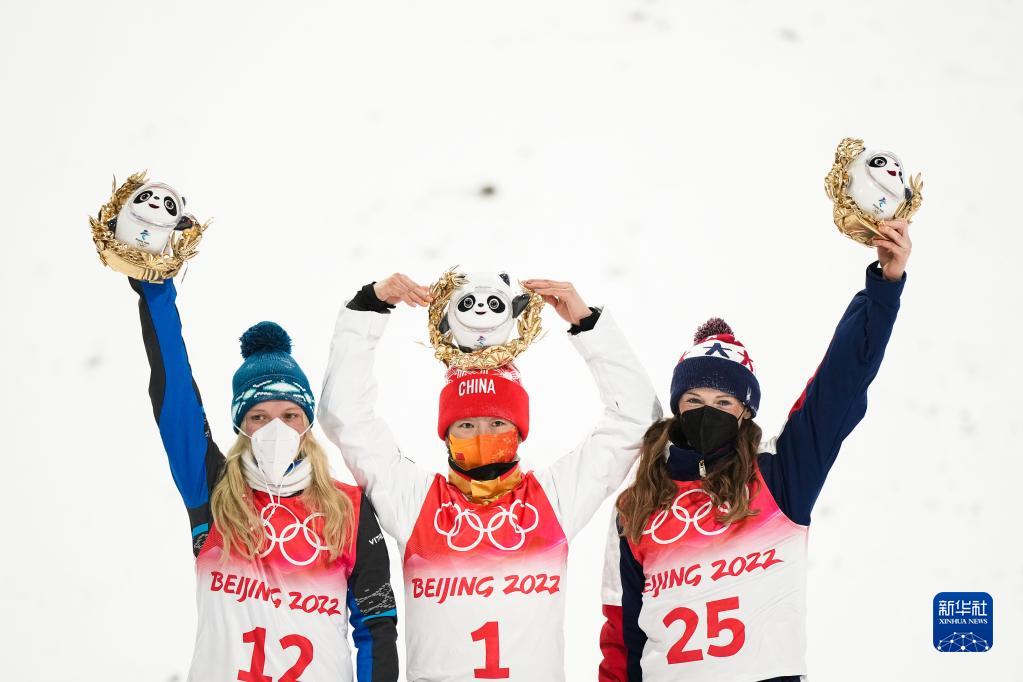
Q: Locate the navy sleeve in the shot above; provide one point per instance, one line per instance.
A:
(632, 601)
(371, 606)
(195, 461)
(834, 400)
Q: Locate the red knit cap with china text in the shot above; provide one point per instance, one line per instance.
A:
(483, 393)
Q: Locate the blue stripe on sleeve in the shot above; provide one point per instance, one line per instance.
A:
(390, 613)
(363, 640)
(182, 420)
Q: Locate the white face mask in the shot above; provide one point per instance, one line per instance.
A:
(275, 447)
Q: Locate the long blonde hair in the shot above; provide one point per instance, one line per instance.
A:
(730, 482)
(238, 521)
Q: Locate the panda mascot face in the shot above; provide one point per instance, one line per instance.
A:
(876, 183)
(482, 312)
(147, 219)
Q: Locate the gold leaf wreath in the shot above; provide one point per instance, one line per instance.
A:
(448, 352)
(849, 218)
(133, 262)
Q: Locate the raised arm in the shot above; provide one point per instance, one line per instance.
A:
(194, 458)
(371, 607)
(395, 485)
(578, 482)
(835, 399)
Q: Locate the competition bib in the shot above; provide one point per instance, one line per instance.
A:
(722, 601)
(279, 618)
(484, 590)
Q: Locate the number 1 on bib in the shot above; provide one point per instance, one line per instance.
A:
(488, 633)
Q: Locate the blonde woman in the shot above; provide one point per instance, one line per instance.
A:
(284, 553)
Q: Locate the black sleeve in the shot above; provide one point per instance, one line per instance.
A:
(371, 605)
(366, 301)
(587, 323)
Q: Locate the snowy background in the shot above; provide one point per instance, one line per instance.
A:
(667, 157)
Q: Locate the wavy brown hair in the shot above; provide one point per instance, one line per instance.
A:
(728, 481)
(237, 518)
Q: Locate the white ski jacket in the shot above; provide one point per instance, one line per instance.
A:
(484, 585)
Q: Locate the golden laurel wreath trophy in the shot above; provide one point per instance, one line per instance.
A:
(868, 186)
(143, 232)
(472, 317)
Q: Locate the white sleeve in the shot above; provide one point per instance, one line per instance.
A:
(395, 485)
(578, 482)
(611, 586)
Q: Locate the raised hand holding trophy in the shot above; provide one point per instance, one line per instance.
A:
(143, 231)
(868, 186)
(472, 317)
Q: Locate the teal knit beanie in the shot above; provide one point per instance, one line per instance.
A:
(269, 372)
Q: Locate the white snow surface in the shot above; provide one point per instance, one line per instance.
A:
(666, 157)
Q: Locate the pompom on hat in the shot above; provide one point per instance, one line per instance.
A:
(483, 393)
(718, 361)
(268, 372)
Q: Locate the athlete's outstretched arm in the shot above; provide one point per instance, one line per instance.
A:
(835, 399)
(371, 609)
(396, 486)
(195, 460)
(621, 638)
(578, 482)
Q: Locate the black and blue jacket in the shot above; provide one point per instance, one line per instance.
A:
(196, 465)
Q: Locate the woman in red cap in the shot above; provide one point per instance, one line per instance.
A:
(485, 548)
(705, 574)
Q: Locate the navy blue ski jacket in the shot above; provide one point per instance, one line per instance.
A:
(833, 403)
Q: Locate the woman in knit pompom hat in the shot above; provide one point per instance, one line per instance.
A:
(285, 554)
(705, 574)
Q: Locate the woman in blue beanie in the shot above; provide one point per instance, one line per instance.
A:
(705, 573)
(284, 553)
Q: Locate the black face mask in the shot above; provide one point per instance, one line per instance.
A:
(705, 429)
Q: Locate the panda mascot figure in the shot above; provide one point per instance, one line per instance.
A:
(867, 186)
(877, 183)
(147, 219)
(143, 232)
(483, 311)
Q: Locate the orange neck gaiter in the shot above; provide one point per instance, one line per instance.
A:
(485, 492)
(472, 453)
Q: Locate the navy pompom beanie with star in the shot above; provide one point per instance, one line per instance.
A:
(718, 361)
(269, 372)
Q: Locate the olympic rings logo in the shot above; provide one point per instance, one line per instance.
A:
(290, 532)
(685, 517)
(467, 519)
